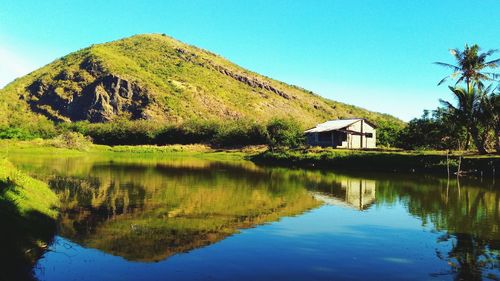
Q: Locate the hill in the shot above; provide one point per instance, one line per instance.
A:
(155, 77)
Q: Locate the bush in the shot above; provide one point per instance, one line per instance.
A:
(284, 133)
(28, 131)
(72, 140)
(277, 133)
(118, 133)
(238, 133)
(432, 131)
(190, 132)
(388, 134)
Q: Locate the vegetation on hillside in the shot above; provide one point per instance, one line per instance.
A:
(166, 82)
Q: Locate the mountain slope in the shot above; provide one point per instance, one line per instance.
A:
(157, 78)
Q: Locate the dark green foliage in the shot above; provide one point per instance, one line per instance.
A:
(388, 134)
(241, 133)
(190, 132)
(118, 133)
(221, 134)
(28, 131)
(351, 160)
(436, 131)
(284, 133)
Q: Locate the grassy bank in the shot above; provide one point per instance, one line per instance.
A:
(49, 147)
(27, 195)
(28, 212)
(383, 161)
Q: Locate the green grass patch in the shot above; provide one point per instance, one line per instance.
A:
(28, 195)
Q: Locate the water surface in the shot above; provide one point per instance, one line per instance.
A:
(194, 219)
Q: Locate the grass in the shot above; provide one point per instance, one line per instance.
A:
(47, 148)
(28, 195)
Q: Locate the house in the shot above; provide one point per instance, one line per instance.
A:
(343, 133)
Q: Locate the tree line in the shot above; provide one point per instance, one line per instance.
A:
(472, 120)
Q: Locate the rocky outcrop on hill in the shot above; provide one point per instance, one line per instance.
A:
(250, 81)
(101, 100)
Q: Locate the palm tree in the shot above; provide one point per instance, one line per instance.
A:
(468, 112)
(491, 108)
(470, 66)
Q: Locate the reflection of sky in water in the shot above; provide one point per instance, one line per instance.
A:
(318, 245)
(347, 221)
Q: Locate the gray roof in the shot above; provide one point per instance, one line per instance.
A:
(333, 125)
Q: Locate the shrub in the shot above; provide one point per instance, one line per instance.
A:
(277, 133)
(72, 140)
(240, 132)
(190, 132)
(28, 131)
(284, 133)
(122, 132)
(388, 134)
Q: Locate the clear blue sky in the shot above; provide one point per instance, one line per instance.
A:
(375, 54)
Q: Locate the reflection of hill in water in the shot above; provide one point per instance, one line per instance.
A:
(149, 212)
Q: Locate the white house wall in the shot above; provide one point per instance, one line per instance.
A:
(354, 141)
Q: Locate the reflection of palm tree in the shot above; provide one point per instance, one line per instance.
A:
(470, 255)
(474, 257)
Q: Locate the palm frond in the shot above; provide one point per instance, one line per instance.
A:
(443, 64)
(459, 80)
(491, 75)
(492, 63)
(443, 80)
(455, 74)
(447, 105)
(490, 52)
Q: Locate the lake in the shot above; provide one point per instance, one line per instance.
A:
(133, 218)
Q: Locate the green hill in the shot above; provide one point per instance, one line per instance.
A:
(155, 77)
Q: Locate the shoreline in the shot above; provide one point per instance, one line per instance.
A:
(387, 161)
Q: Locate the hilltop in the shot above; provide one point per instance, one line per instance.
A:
(155, 77)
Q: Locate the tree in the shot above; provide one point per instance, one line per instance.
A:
(469, 113)
(471, 66)
(491, 108)
(388, 133)
(439, 130)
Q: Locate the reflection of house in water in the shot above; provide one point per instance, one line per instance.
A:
(352, 193)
